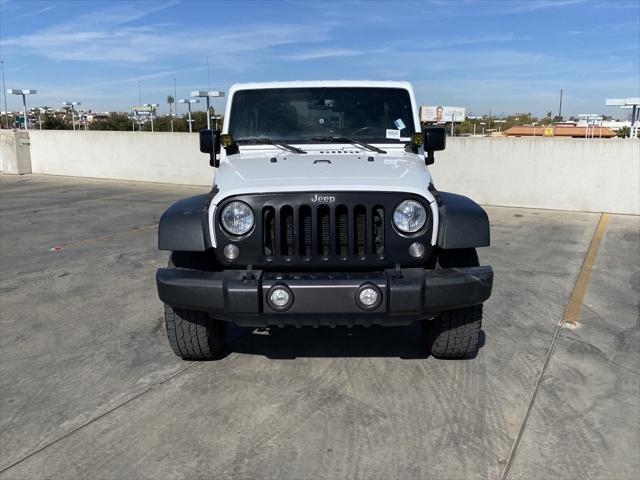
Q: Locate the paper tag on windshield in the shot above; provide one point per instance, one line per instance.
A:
(393, 134)
(399, 124)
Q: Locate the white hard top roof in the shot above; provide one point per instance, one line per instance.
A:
(321, 83)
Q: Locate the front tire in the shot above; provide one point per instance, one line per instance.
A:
(454, 333)
(194, 335)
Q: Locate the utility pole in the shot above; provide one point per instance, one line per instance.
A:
(560, 108)
(139, 94)
(4, 92)
(175, 95)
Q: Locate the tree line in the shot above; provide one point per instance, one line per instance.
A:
(122, 122)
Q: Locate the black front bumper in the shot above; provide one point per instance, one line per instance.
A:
(324, 298)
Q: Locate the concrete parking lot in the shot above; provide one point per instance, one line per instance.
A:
(89, 387)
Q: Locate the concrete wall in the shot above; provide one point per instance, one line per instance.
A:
(593, 175)
(566, 174)
(142, 156)
(15, 155)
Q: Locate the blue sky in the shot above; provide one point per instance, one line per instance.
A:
(507, 56)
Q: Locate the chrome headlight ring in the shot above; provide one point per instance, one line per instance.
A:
(237, 218)
(409, 216)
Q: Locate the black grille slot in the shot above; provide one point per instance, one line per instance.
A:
(360, 237)
(286, 235)
(378, 230)
(268, 231)
(342, 230)
(324, 240)
(304, 231)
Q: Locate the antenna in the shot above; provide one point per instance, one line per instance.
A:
(208, 73)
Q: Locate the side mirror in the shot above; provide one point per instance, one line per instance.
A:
(210, 143)
(435, 139)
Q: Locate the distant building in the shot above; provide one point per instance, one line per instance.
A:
(614, 125)
(563, 130)
(96, 116)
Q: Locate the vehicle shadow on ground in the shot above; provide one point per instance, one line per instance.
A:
(290, 342)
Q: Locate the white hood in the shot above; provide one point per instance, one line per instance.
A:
(254, 171)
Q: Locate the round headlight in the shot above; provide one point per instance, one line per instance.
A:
(237, 218)
(410, 216)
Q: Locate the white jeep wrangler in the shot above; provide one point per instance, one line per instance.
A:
(323, 212)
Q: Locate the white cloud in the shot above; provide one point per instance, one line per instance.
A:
(37, 12)
(332, 52)
(108, 36)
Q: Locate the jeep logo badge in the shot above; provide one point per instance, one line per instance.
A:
(323, 199)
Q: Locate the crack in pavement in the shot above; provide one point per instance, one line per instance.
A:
(118, 406)
(568, 317)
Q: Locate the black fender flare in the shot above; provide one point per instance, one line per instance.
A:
(462, 222)
(183, 226)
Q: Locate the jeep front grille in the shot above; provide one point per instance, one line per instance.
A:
(292, 232)
(323, 231)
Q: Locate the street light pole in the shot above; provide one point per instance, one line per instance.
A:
(4, 93)
(24, 94)
(24, 111)
(73, 106)
(475, 119)
(152, 112)
(207, 95)
(189, 102)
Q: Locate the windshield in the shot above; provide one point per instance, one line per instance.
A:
(306, 115)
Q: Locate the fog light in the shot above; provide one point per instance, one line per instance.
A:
(368, 297)
(416, 250)
(280, 298)
(231, 252)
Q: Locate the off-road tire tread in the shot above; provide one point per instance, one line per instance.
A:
(194, 335)
(454, 333)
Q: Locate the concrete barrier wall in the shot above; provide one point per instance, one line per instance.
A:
(15, 154)
(143, 156)
(592, 175)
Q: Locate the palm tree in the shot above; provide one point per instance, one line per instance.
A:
(170, 101)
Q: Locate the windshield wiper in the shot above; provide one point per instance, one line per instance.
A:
(349, 140)
(286, 146)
